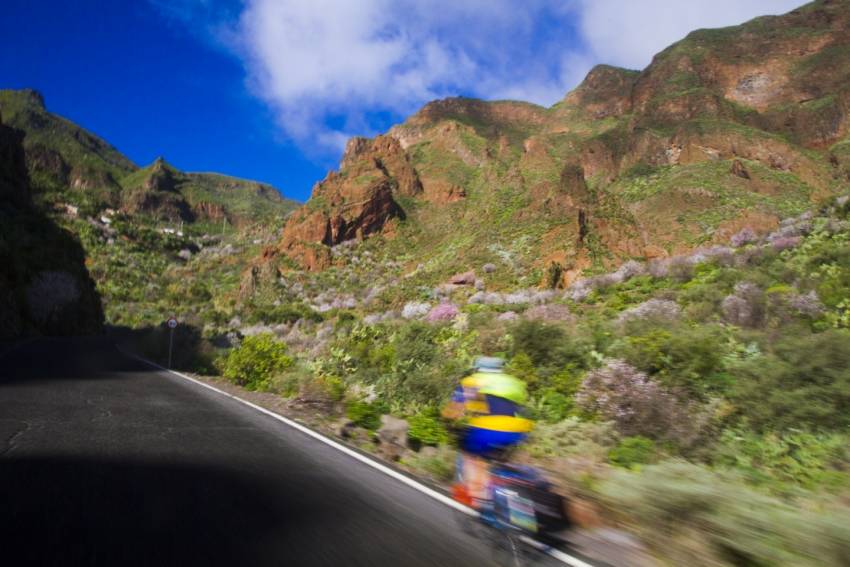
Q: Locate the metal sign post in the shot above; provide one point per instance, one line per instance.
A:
(172, 324)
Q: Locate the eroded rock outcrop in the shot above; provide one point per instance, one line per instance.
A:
(357, 201)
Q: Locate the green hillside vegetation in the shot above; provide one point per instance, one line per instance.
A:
(25, 110)
(721, 372)
(155, 238)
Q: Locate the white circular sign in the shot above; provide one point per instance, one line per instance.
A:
(172, 323)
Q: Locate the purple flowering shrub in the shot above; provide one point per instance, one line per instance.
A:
(785, 243)
(745, 306)
(806, 304)
(637, 404)
(653, 309)
(442, 312)
(744, 236)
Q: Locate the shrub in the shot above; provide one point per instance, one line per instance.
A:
(745, 307)
(572, 436)
(632, 451)
(638, 405)
(745, 236)
(812, 461)
(680, 268)
(679, 508)
(522, 367)
(552, 406)
(256, 361)
(439, 463)
(688, 359)
(554, 275)
(808, 304)
(804, 382)
(427, 429)
(442, 312)
(364, 414)
(658, 310)
(549, 346)
(415, 310)
(785, 243)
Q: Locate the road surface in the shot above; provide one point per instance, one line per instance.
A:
(105, 461)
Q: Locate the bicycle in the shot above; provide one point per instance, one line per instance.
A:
(519, 516)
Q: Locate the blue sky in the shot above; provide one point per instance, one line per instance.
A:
(271, 89)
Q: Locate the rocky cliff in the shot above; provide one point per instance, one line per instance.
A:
(44, 285)
(727, 128)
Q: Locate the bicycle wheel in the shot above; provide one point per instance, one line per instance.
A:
(507, 549)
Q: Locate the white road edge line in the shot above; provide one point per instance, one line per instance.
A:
(557, 554)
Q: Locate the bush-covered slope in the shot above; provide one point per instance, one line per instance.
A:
(140, 228)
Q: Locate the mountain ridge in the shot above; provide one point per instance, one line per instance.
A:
(62, 155)
(706, 139)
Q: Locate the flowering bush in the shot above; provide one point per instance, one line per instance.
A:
(654, 309)
(785, 243)
(630, 269)
(744, 236)
(736, 310)
(722, 255)
(415, 310)
(745, 307)
(519, 297)
(659, 268)
(442, 312)
(636, 404)
(579, 290)
(808, 304)
(485, 298)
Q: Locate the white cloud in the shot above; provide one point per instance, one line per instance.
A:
(329, 67)
(628, 33)
(339, 62)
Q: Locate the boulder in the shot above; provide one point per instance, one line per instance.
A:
(393, 431)
(345, 428)
(465, 278)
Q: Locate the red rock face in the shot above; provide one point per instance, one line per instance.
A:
(212, 211)
(354, 203)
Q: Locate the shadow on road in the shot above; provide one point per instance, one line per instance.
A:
(74, 511)
(66, 359)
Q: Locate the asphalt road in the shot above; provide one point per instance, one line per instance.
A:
(104, 461)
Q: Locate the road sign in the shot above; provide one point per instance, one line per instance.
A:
(172, 324)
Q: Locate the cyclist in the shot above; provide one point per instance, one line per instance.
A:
(489, 403)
